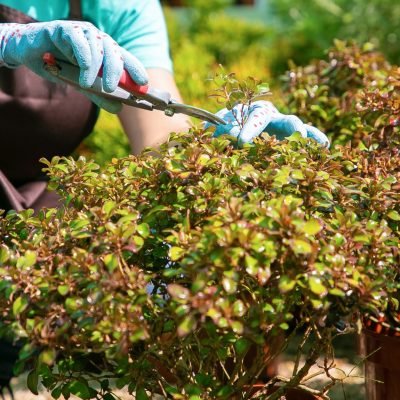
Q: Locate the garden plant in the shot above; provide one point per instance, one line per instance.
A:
(186, 270)
(330, 92)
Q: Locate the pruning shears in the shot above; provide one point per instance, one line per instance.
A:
(129, 92)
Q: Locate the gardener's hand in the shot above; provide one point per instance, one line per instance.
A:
(79, 43)
(262, 116)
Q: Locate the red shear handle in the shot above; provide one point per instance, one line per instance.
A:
(128, 84)
(125, 82)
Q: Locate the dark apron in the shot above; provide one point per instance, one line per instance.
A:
(38, 119)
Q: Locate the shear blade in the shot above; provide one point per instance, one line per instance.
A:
(196, 112)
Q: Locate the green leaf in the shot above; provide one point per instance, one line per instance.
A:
(128, 218)
(324, 175)
(19, 305)
(72, 304)
(80, 389)
(286, 284)
(295, 137)
(172, 272)
(199, 283)
(175, 253)
(316, 285)
(229, 285)
(297, 174)
(251, 265)
(225, 391)
(311, 227)
(81, 234)
(284, 326)
(66, 392)
(61, 167)
(143, 230)
(108, 207)
(394, 215)
(27, 260)
(239, 308)
(203, 159)
(47, 356)
(362, 238)
(339, 239)
(79, 224)
(111, 262)
(139, 242)
(268, 308)
(203, 379)
(242, 345)
(27, 351)
(263, 88)
(32, 381)
(301, 246)
(186, 326)
(141, 394)
(237, 327)
(63, 289)
(337, 292)
(4, 255)
(174, 166)
(56, 392)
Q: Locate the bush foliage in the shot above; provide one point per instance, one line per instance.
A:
(162, 272)
(354, 95)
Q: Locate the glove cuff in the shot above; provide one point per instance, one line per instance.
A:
(9, 34)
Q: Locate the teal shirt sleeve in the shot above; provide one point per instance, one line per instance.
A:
(139, 26)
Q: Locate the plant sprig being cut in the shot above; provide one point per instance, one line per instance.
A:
(230, 92)
(247, 117)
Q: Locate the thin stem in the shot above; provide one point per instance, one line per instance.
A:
(224, 369)
(300, 350)
(314, 354)
(162, 389)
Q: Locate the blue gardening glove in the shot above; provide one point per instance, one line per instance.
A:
(79, 43)
(262, 116)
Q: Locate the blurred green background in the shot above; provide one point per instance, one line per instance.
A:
(256, 40)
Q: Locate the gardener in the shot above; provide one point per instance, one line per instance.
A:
(41, 118)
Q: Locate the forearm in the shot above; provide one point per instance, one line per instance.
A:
(151, 128)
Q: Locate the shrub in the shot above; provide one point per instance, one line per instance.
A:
(354, 95)
(162, 272)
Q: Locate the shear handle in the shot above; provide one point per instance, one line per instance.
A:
(128, 84)
(125, 82)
